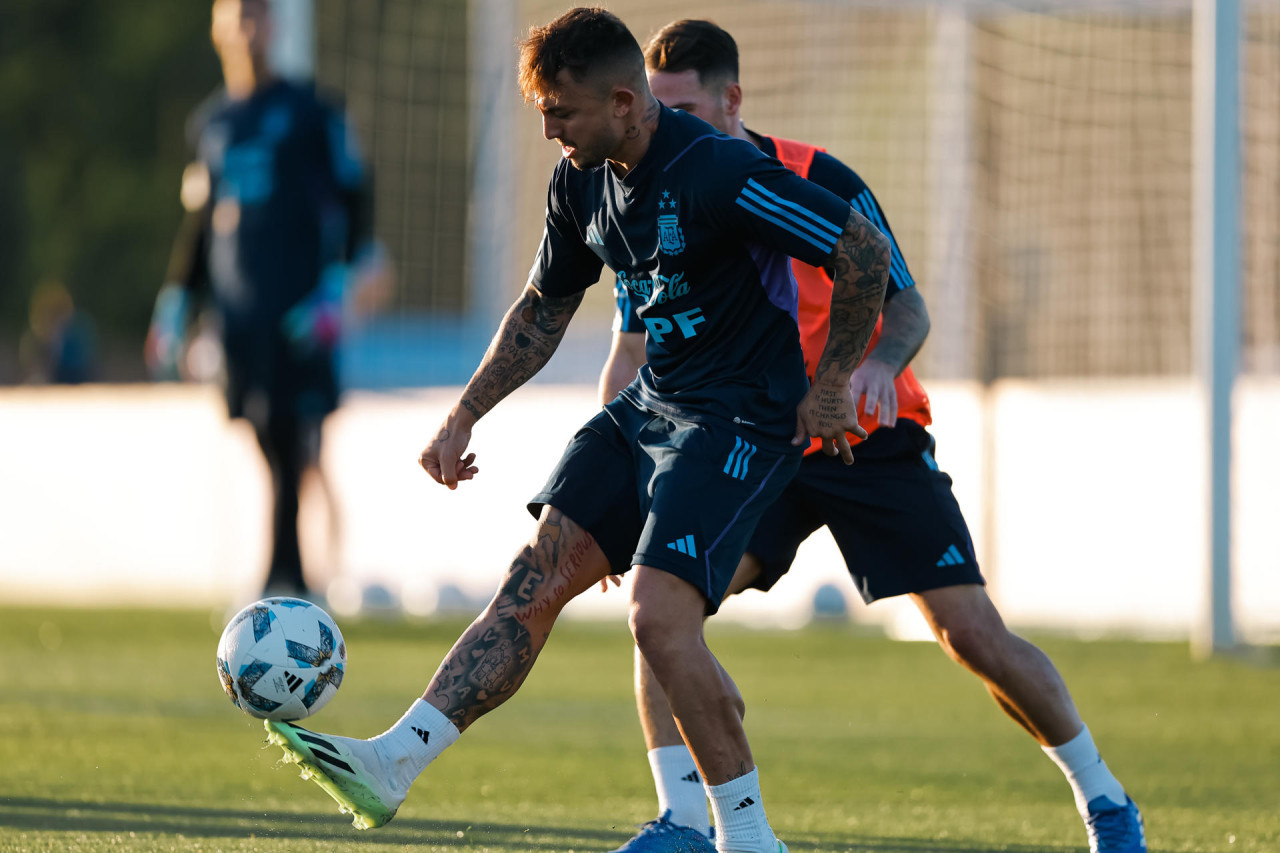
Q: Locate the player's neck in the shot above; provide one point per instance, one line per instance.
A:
(244, 77)
(636, 139)
(741, 132)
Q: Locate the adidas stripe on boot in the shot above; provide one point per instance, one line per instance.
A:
(347, 769)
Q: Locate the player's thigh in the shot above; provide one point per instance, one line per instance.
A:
(898, 526)
(595, 485)
(561, 561)
(709, 487)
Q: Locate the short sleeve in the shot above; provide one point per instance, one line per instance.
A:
(835, 176)
(754, 195)
(564, 265)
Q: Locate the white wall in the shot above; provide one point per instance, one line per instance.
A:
(148, 495)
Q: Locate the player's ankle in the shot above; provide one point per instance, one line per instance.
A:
(417, 739)
(741, 825)
(679, 787)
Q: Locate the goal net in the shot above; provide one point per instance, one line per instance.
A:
(1034, 158)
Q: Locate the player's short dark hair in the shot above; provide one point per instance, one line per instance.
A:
(586, 41)
(693, 45)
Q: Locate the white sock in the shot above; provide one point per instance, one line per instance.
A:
(741, 826)
(1086, 771)
(414, 742)
(680, 787)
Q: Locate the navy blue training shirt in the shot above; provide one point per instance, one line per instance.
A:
(700, 232)
(285, 180)
(830, 174)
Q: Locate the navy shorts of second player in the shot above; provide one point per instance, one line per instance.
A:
(891, 512)
(675, 495)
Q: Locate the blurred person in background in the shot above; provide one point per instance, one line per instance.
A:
(892, 512)
(278, 224)
(60, 346)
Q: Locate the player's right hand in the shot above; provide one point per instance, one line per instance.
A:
(828, 412)
(443, 460)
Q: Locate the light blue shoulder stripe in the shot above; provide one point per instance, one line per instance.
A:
(823, 224)
(826, 247)
(872, 212)
(749, 194)
(895, 268)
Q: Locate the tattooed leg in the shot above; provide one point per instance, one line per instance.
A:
(494, 655)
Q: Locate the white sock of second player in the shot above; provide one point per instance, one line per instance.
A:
(741, 825)
(680, 787)
(1084, 768)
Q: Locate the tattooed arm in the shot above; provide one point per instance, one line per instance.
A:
(526, 339)
(860, 265)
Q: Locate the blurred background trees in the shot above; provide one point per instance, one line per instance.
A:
(93, 102)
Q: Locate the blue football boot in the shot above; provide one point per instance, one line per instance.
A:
(1115, 828)
(662, 836)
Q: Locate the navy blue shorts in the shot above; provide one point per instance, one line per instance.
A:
(675, 495)
(892, 514)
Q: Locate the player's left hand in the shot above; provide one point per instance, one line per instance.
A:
(828, 412)
(616, 580)
(874, 381)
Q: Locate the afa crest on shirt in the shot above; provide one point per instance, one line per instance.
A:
(670, 236)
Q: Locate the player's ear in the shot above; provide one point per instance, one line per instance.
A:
(624, 100)
(732, 99)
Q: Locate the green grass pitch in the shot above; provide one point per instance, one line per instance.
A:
(115, 735)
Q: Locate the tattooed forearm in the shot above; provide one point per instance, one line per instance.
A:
(906, 325)
(496, 653)
(860, 266)
(529, 334)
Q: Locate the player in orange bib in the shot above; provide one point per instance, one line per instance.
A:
(892, 513)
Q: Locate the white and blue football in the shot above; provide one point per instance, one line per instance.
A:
(281, 659)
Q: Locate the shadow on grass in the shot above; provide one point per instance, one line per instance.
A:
(50, 815)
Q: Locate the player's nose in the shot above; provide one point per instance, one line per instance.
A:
(551, 128)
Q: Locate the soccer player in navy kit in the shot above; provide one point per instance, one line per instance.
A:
(670, 478)
(892, 512)
(279, 207)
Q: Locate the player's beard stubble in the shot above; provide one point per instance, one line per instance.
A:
(593, 153)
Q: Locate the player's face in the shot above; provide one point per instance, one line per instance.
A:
(684, 90)
(581, 118)
(241, 28)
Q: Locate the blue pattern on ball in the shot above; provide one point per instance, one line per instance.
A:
(249, 677)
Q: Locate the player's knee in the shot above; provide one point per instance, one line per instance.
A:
(645, 629)
(656, 635)
(735, 698)
(973, 645)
